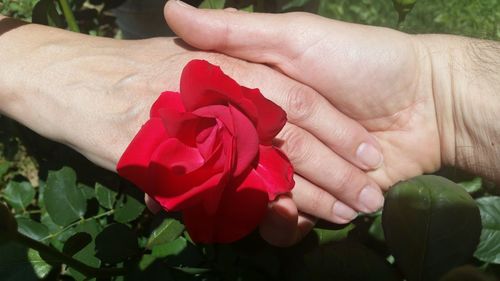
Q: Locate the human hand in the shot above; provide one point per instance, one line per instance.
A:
(93, 94)
(379, 77)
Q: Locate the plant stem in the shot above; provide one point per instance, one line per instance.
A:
(69, 16)
(78, 222)
(84, 269)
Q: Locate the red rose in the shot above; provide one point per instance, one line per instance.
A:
(208, 153)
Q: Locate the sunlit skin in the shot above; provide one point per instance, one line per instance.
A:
(409, 91)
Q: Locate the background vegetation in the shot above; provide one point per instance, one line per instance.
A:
(79, 222)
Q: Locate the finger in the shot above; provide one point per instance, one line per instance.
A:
(328, 171)
(248, 36)
(309, 110)
(283, 225)
(315, 201)
(152, 205)
(305, 107)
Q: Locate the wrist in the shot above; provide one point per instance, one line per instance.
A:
(466, 99)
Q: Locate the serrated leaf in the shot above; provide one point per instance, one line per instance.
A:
(128, 209)
(105, 196)
(473, 185)
(212, 4)
(431, 225)
(330, 235)
(76, 243)
(39, 265)
(169, 249)
(65, 203)
(488, 249)
(19, 194)
(31, 228)
(166, 232)
(116, 243)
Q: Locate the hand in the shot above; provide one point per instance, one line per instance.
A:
(93, 94)
(378, 77)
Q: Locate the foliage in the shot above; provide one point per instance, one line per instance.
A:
(62, 218)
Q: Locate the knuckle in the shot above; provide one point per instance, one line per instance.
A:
(341, 136)
(296, 144)
(344, 179)
(301, 103)
(321, 204)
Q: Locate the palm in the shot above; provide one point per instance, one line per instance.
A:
(381, 86)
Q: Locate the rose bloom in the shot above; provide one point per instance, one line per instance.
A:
(209, 153)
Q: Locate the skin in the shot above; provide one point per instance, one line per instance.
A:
(93, 94)
(418, 95)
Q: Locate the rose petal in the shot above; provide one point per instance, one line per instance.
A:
(275, 171)
(135, 160)
(170, 101)
(204, 84)
(271, 118)
(247, 141)
(241, 209)
(185, 125)
(243, 131)
(175, 190)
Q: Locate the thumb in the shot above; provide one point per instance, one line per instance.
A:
(239, 34)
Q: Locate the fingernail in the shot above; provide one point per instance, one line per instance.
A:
(183, 4)
(369, 155)
(343, 211)
(371, 198)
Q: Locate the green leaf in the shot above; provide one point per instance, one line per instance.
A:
(45, 12)
(8, 225)
(488, 249)
(14, 263)
(330, 235)
(19, 194)
(87, 254)
(128, 209)
(169, 249)
(212, 4)
(87, 191)
(473, 185)
(76, 243)
(31, 228)
(376, 230)
(294, 4)
(4, 168)
(403, 7)
(40, 266)
(166, 232)
(248, 9)
(431, 225)
(105, 196)
(116, 243)
(64, 202)
(146, 261)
